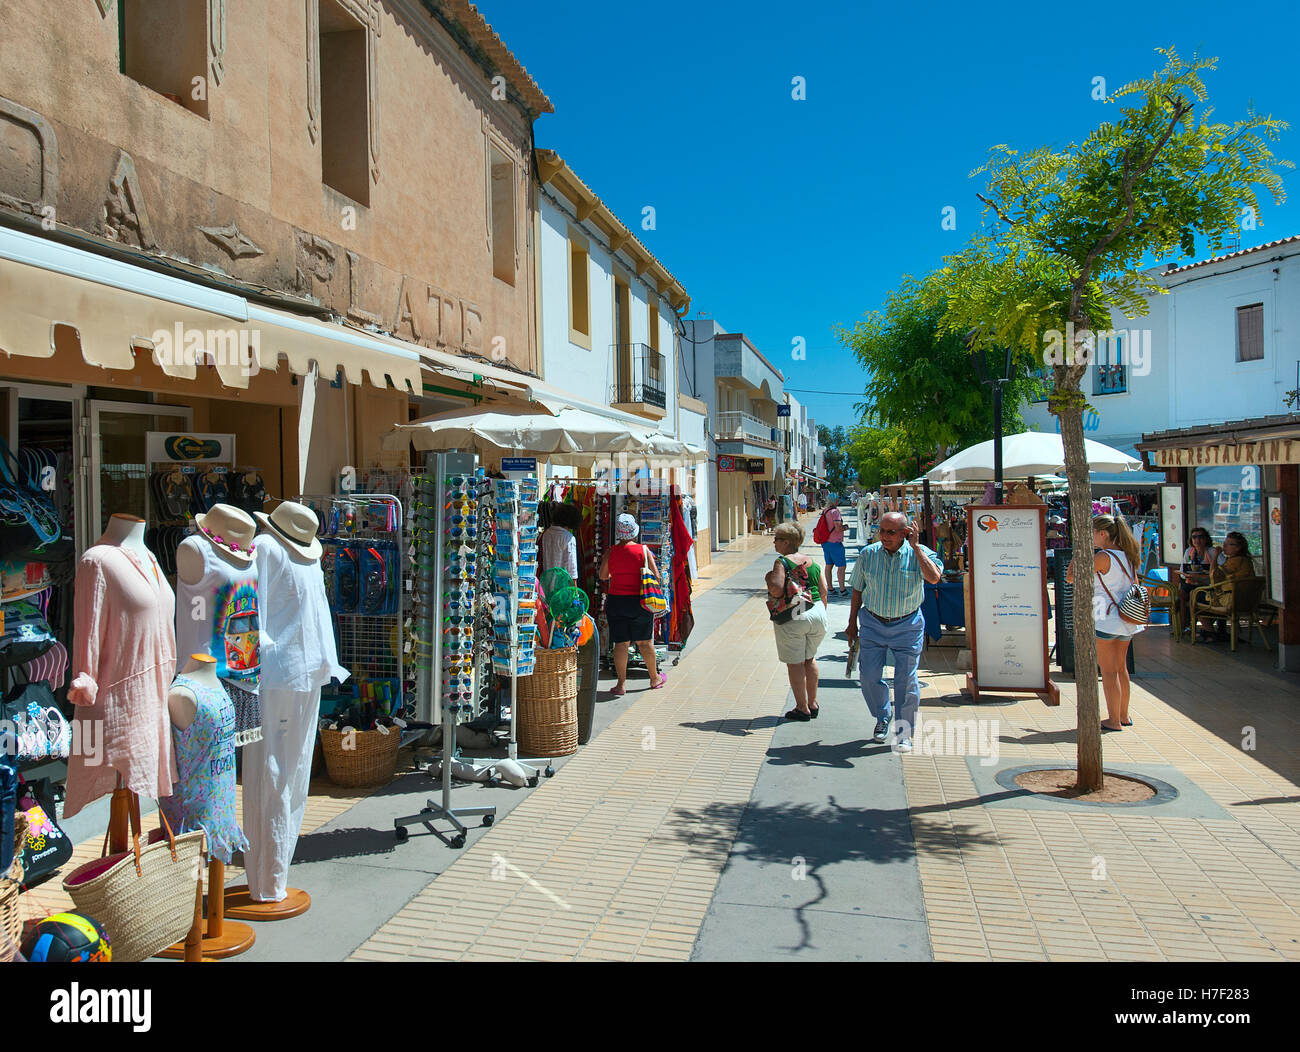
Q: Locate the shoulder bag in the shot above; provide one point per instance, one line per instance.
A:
(795, 598)
(1134, 605)
(652, 590)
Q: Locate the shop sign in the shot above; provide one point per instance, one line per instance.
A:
(757, 466)
(783, 410)
(726, 463)
(518, 464)
(1269, 451)
(163, 448)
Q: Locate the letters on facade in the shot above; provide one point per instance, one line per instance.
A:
(1270, 451)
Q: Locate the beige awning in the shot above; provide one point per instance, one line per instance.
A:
(120, 311)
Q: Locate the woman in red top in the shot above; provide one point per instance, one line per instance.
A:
(629, 621)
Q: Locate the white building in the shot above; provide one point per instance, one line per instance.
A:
(608, 322)
(741, 390)
(1222, 344)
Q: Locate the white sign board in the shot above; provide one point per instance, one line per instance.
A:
(1276, 548)
(1172, 542)
(1009, 596)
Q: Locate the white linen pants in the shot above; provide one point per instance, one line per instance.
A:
(277, 772)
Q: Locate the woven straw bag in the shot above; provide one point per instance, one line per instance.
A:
(143, 897)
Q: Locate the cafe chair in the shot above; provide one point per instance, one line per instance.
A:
(1232, 601)
(1162, 598)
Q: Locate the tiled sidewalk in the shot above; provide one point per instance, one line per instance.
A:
(1075, 882)
(599, 863)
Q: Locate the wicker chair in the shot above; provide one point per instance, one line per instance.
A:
(1162, 598)
(1232, 601)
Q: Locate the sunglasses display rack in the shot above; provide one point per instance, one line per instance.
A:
(362, 537)
(445, 554)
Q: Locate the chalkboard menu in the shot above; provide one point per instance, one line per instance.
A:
(1008, 559)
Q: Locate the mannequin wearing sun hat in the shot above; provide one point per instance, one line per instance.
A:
(302, 659)
(217, 607)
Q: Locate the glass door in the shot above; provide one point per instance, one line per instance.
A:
(119, 469)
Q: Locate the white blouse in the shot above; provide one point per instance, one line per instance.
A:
(298, 648)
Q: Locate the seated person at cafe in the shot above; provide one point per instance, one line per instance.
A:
(1236, 565)
(1199, 559)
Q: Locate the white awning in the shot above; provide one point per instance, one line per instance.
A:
(120, 310)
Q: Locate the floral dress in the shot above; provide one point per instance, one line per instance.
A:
(205, 758)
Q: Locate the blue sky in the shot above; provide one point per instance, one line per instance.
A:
(787, 218)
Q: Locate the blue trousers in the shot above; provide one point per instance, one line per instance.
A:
(877, 640)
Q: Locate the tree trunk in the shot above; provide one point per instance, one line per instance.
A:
(1085, 639)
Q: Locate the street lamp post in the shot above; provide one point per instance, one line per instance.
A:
(996, 382)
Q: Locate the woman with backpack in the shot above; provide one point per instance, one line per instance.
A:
(1115, 559)
(829, 533)
(797, 604)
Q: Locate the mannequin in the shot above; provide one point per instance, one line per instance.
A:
(126, 531)
(301, 659)
(218, 608)
(204, 719)
(124, 654)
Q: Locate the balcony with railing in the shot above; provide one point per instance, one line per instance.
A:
(734, 426)
(638, 380)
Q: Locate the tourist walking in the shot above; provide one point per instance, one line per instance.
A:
(797, 602)
(888, 585)
(1116, 554)
(829, 533)
(629, 621)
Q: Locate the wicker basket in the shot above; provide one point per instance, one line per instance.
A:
(11, 918)
(370, 757)
(547, 721)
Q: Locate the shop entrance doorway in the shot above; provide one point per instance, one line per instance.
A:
(119, 466)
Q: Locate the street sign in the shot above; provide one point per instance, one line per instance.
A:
(783, 410)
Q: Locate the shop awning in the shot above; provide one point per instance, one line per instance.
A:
(505, 430)
(120, 310)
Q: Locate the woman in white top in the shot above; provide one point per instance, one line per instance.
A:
(1116, 555)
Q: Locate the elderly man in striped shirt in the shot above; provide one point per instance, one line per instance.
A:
(888, 587)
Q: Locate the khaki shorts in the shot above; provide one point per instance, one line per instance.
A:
(797, 640)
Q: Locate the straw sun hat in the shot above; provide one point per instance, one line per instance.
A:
(294, 526)
(230, 529)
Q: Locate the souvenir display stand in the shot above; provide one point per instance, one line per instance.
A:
(451, 559)
(362, 534)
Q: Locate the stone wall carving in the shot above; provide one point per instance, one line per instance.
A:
(236, 243)
(217, 39)
(316, 260)
(29, 159)
(126, 218)
(313, 69)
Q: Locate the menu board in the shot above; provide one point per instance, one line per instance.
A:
(1274, 545)
(1171, 525)
(1009, 595)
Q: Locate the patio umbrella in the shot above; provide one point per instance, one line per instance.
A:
(503, 430)
(1025, 454)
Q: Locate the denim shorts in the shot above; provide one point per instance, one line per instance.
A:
(1110, 635)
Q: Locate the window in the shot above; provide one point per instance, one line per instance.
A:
(654, 363)
(579, 293)
(1111, 375)
(1250, 333)
(163, 44)
(344, 104)
(501, 204)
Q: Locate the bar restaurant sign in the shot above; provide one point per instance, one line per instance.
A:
(1268, 451)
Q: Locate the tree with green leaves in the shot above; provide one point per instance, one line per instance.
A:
(1066, 233)
(880, 455)
(919, 375)
(839, 475)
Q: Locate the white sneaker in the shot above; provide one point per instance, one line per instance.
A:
(905, 745)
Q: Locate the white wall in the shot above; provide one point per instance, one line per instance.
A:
(589, 374)
(1193, 376)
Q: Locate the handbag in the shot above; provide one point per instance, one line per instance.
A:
(1134, 605)
(46, 848)
(795, 597)
(144, 897)
(24, 633)
(653, 600)
(31, 726)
